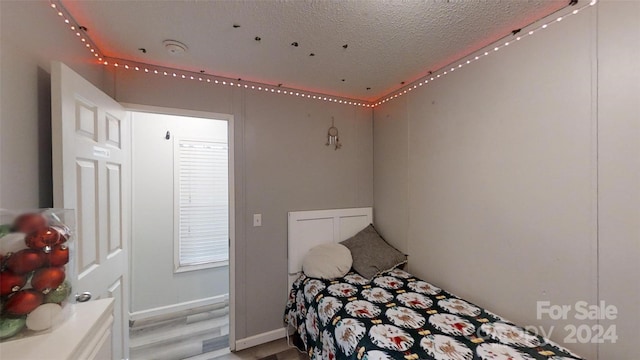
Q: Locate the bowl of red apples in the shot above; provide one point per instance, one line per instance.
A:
(35, 270)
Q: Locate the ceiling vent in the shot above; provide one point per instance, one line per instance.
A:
(174, 47)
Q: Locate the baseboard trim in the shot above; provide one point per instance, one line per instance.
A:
(164, 310)
(265, 337)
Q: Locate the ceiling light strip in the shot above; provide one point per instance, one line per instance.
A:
(488, 50)
(76, 29)
(222, 81)
(217, 80)
(182, 74)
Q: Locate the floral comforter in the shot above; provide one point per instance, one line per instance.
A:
(398, 316)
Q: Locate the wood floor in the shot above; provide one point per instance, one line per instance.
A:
(181, 335)
(198, 334)
(274, 350)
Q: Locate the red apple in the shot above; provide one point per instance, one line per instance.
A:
(47, 279)
(58, 256)
(65, 233)
(30, 222)
(43, 238)
(10, 282)
(25, 260)
(23, 302)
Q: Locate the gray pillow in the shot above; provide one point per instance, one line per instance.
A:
(371, 254)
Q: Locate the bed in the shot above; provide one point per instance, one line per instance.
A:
(391, 314)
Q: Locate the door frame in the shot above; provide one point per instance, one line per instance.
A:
(232, 223)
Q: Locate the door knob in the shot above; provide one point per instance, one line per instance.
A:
(84, 297)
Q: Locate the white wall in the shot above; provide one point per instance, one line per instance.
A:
(281, 165)
(154, 285)
(510, 200)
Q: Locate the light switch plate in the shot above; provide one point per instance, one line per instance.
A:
(257, 220)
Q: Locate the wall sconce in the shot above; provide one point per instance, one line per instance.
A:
(332, 136)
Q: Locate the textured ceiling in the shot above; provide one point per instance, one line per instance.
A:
(388, 42)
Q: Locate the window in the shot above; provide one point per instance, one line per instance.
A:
(202, 209)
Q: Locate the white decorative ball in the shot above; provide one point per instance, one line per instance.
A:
(12, 242)
(43, 317)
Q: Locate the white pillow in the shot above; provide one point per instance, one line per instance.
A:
(327, 261)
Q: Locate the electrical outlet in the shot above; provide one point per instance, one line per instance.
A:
(257, 220)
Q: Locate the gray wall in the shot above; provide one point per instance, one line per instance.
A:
(281, 161)
(618, 112)
(523, 175)
(612, 117)
(281, 165)
(390, 154)
(25, 99)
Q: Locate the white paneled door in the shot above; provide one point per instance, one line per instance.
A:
(91, 174)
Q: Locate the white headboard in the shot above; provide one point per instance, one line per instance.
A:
(310, 228)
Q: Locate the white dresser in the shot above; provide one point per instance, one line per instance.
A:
(85, 334)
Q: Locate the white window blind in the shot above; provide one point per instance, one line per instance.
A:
(203, 202)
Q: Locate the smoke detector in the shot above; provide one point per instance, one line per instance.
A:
(174, 47)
